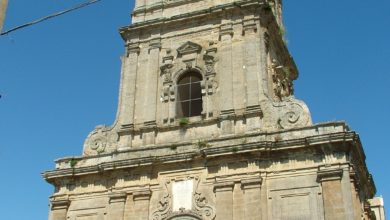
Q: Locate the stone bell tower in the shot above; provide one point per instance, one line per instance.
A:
(208, 128)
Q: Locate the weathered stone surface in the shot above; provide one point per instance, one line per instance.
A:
(252, 152)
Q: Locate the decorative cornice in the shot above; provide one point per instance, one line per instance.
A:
(190, 15)
(188, 48)
(113, 161)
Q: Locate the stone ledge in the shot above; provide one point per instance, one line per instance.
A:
(232, 145)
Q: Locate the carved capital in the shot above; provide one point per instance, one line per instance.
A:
(118, 198)
(132, 48)
(226, 29)
(142, 195)
(251, 183)
(60, 204)
(223, 187)
(155, 44)
(329, 175)
(249, 26)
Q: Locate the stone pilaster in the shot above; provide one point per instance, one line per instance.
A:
(141, 205)
(332, 194)
(150, 103)
(128, 90)
(252, 198)
(59, 209)
(116, 206)
(251, 65)
(224, 200)
(225, 69)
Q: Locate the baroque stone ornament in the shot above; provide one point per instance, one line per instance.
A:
(166, 72)
(292, 113)
(201, 209)
(201, 206)
(100, 140)
(164, 205)
(283, 86)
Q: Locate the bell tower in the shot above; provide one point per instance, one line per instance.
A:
(208, 127)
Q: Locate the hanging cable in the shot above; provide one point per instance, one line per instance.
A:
(50, 16)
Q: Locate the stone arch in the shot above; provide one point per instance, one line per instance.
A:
(181, 72)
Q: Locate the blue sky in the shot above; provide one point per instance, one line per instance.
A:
(59, 79)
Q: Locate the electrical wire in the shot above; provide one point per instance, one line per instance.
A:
(50, 16)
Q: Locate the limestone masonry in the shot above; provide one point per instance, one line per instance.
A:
(208, 128)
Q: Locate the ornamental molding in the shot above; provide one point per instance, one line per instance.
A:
(100, 140)
(188, 48)
(201, 209)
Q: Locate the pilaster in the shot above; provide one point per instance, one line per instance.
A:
(151, 83)
(59, 209)
(252, 198)
(141, 205)
(225, 69)
(332, 194)
(116, 206)
(224, 200)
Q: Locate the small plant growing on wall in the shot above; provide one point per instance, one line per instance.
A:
(203, 144)
(235, 149)
(173, 147)
(72, 163)
(184, 121)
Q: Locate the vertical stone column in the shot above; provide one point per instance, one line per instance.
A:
(332, 194)
(127, 95)
(224, 200)
(116, 206)
(128, 85)
(59, 209)
(357, 206)
(141, 205)
(252, 199)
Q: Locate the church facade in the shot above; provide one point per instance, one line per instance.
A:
(208, 128)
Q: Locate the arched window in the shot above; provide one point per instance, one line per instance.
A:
(189, 95)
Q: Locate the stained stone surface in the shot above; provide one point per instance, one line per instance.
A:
(252, 153)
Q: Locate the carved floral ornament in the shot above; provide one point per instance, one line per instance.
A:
(201, 209)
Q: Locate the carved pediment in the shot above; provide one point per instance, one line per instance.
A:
(188, 48)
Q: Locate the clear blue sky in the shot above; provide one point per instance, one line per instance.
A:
(59, 79)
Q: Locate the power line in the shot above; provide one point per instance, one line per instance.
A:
(50, 16)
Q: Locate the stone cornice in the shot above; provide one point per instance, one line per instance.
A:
(194, 152)
(190, 15)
